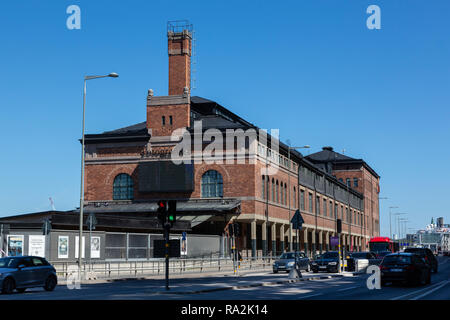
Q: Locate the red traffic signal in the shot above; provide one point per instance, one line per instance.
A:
(162, 211)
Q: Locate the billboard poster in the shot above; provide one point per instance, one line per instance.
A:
(334, 241)
(15, 245)
(36, 246)
(83, 245)
(95, 247)
(63, 247)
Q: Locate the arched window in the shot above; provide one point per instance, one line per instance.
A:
(123, 187)
(263, 185)
(281, 192)
(273, 190)
(285, 194)
(295, 198)
(276, 192)
(212, 184)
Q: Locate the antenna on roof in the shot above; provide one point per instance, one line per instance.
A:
(343, 151)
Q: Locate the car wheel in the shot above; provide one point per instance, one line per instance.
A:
(275, 271)
(8, 286)
(50, 283)
(21, 290)
(315, 271)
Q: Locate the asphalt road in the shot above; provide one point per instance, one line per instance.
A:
(345, 288)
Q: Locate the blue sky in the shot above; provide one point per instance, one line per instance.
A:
(310, 68)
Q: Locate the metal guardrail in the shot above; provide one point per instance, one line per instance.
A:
(108, 269)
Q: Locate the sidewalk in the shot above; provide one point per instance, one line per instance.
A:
(214, 281)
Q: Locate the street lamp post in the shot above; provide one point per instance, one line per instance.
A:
(398, 214)
(390, 228)
(80, 243)
(289, 193)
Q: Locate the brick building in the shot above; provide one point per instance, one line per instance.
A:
(129, 169)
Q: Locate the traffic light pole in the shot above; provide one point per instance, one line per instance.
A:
(166, 236)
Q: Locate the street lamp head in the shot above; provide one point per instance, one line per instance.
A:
(113, 75)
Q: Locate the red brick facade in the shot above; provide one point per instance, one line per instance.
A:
(262, 218)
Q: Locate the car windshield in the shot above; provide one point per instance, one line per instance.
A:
(330, 255)
(378, 246)
(397, 259)
(288, 255)
(8, 262)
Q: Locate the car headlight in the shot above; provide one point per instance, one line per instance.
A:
(290, 264)
(332, 263)
(313, 263)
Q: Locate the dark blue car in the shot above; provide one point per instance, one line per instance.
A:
(25, 272)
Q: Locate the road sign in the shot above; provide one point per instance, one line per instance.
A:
(91, 221)
(297, 220)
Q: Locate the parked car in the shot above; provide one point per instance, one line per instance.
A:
(426, 254)
(286, 262)
(404, 267)
(351, 264)
(328, 261)
(25, 272)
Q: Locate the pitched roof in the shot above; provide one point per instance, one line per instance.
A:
(135, 128)
(327, 154)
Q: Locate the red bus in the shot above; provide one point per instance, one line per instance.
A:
(380, 244)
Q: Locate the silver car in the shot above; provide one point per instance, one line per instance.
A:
(286, 262)
(25, 272)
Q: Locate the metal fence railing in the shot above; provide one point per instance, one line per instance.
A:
(108, 269)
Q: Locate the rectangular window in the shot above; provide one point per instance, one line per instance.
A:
(310, 202)
(355, 182)
(295, 198)
(302, 200)
(348, 182)
(163, 120)
(331, 209)
(263, 184)
(170, 120)
(324, 207)
(318, 205)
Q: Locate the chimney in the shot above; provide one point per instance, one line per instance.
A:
(179, 35)
(327, 148)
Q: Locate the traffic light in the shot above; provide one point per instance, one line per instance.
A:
(172, 212)
(339, 226)
(162, 211)
(236, 229)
